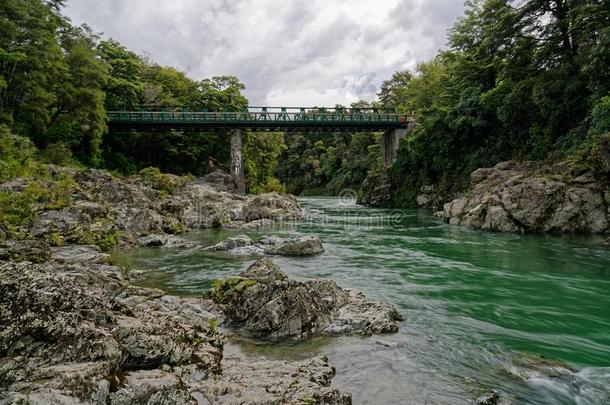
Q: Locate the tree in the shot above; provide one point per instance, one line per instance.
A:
(125, 86)
(222, 93)
(78, 116)
(391, 94)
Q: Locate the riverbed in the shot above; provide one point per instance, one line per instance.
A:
(476, 304)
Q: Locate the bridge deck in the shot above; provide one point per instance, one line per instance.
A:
(266, 118)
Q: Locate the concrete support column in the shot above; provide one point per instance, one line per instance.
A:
(389, 145)
(237, 162)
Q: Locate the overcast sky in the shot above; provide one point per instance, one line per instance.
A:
(287, 52)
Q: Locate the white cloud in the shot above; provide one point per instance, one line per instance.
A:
(291, 52)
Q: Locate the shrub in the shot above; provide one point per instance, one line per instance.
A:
(270, 185)
(58, 153)
(600, 117)
(153, 177)
(17, 156)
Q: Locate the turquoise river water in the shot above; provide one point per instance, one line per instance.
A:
(481, 309)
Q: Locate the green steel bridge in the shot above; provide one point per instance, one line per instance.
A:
(261, 118)
(395, 126)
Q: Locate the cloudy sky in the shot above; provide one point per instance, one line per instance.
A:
(287, 52)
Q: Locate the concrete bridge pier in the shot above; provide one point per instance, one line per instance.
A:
(237, 162)
(389, 145)
(391, 141)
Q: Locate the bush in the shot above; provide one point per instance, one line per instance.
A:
(152, 177)
(58, 153)
(17, 156)
(600, 117)
(272, 184)
(18, 209)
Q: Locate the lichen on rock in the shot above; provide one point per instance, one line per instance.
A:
(532, 197)
(264, 303)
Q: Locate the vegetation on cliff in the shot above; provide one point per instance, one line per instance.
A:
(522, 80)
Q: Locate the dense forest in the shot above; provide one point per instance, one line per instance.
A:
(525, 80)
(57, 81)
(519, 80)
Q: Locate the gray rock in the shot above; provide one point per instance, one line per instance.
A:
(220, 181)
(14, 186)
(36, 251)
(243, 245)
(295, 246)
(169, 241)
(79, 254)
(376, 190)
(120, 192)
(530, 197)
(63, 222)
(489, 399)
(103, 208)
(263, 302)
(274, 382)
(271, 206)
(73, 332)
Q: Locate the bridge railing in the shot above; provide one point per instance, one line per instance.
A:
(261, 115)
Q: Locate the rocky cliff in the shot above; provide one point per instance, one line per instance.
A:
(533, 197)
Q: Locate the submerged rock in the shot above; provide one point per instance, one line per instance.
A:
(529, 197)
(489, 399)
(170, 241)
(533, 366)
(243, 245)
(263, 302)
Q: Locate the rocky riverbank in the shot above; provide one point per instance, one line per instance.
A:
(149, 209)
(533, 197)
(74, 329)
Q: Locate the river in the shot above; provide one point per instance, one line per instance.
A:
(477, 305)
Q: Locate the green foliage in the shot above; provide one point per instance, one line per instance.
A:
(261, 153)
(153, 177)
(521, 81)
(58, 153)
(327, 163)
(221, 93)
(60, 192)
(110, 241)
(600, 117)
(223, 288)
(17, 156)
(213, 325)
(18, 209)
(55, 239)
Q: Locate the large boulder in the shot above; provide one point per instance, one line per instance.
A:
(295, 246)
(376, 190)
(271, 206)
(220, 181)
(263, 302)
(243, 245)
(530, 197)
(76, 332)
